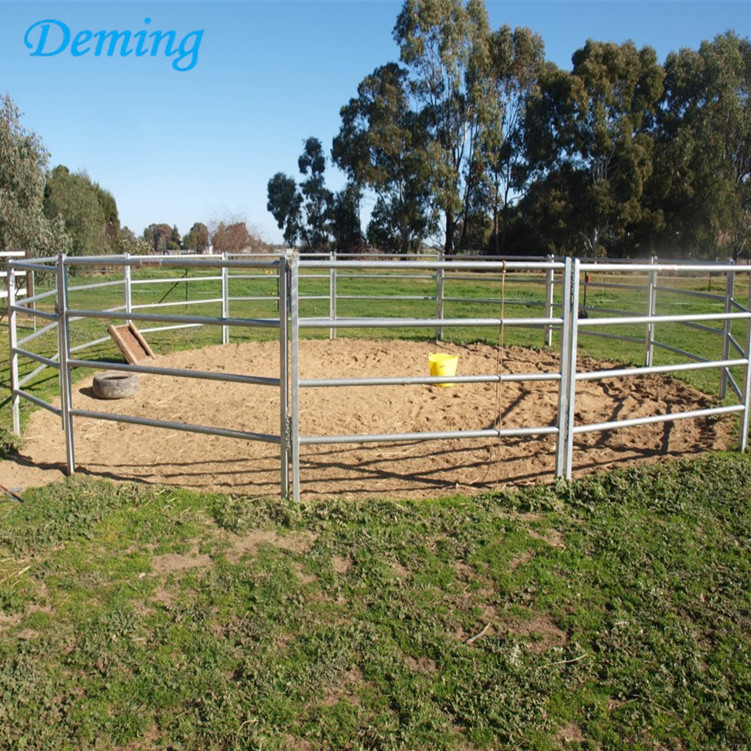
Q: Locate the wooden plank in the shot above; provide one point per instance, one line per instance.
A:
(131, 343)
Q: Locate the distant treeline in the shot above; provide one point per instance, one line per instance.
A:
(46, 212)
(475, 138)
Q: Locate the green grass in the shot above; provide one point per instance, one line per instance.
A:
(609, 613)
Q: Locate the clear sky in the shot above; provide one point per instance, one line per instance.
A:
(181, 146)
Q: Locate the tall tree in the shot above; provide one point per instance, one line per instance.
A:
(23, 164)
(198, 238)
(445, 46)
(382, 146)
(704, 159)
(595, 127)
(285, 204)
(346, 228)
(160, 237)
(317, 197)
(304, 211)
(516, 59)
(75, 199)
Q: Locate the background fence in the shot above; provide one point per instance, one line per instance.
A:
(677, 318)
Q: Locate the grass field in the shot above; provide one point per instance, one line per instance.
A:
(608, 613)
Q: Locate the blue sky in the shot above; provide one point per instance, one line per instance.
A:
(201, 144)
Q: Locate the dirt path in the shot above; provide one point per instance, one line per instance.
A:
(410, 469)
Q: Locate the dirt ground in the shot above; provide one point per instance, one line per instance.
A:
(408, 469)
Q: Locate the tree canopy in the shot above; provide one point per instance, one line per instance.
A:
(23, 171)
(473, 131)
(88, 211)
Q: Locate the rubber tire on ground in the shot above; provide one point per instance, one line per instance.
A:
(115, 385)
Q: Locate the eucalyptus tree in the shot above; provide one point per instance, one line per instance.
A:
(594, 126)
(445, 46)
(285, 204)
(382, 145)
(346, 228)
(704, 163)
(23, 170)
(303, 211)
(515, 61)
(317, 198)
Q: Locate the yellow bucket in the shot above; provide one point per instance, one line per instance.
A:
(442, 364)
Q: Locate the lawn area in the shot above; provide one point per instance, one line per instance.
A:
(610, 613)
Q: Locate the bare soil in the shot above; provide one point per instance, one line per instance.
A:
(408, 469)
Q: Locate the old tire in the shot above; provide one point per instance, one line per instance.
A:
(115, 385)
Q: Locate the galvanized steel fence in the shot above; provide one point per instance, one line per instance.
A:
(560, 310)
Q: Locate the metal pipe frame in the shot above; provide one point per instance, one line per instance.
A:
(294, 371)
(446, 435)
(567, 392)
(727, 333)
(13, 351)
(285, 454)
(430, 380)
(291, 270)
(183, 426)
(64, 370)
(653, 419)
(357, 323)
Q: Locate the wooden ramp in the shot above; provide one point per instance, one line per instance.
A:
(131, 343)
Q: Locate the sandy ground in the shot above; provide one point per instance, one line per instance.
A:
(407, 469)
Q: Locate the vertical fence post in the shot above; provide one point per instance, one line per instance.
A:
(746, 418)
(440, 283)
(549, 297)
(727, 331)
(567, 394)
(13, 342)
(284, 424)
(225, 298)
(649, 337)
(63, 349)
(127, 288)
(31, 292)
(332, 295)
(294, 288)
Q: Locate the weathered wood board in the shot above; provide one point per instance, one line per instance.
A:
(130, 342)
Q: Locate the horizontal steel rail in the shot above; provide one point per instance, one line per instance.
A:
(175, 304)
(39, 402)
(33, 266)
(201, 320)
(182, 426)
(596, 375)
(429, 380)
(204, 375)
(678, 318)
(36, 313)
(46, 361)
(429, 436)
(28, 302)
(145, 262)
(446, 265)
(359, 323)
(653, 419)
